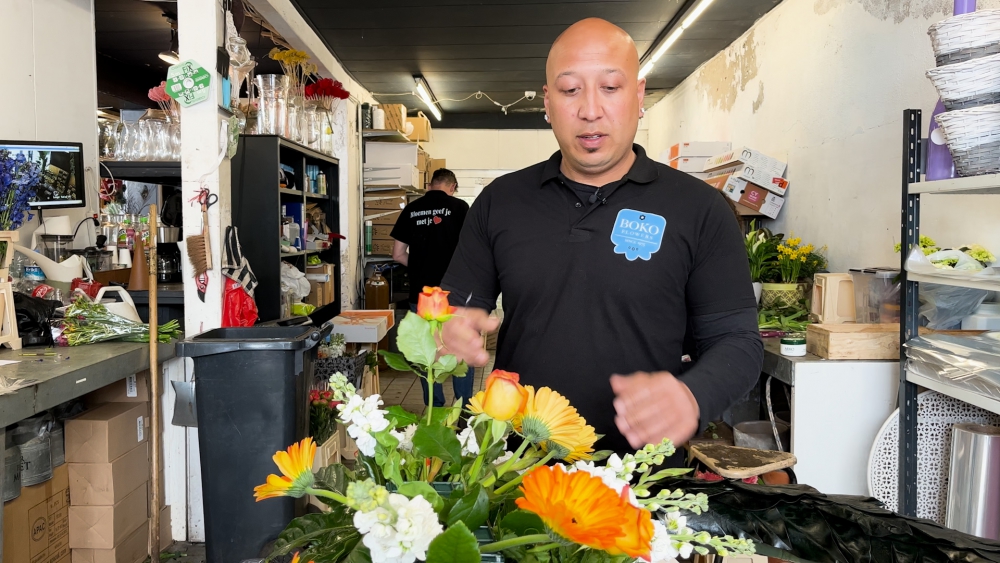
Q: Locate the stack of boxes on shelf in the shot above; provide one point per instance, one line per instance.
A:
(749, 178)
(36, 517)
(108, 463)
(691, 157)
(322, 284)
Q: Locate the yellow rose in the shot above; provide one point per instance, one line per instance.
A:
(504, 398)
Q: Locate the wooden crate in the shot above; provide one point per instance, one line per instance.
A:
(862, 341)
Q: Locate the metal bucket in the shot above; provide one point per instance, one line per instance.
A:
(759, 435)
(973, 486)
(57, 441)
(11, 468)
(36, 461)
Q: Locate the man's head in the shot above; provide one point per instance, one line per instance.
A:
(593, 95)
(444, 180)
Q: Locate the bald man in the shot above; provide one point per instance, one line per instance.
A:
(604, 259)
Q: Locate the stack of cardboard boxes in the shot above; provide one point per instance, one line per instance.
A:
(691, 157)
(749, 178)
(322, 284)
(36, 523)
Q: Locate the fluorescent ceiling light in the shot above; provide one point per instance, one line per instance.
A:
(424, 91)
(698, 10)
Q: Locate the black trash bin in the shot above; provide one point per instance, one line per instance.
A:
(250, 394)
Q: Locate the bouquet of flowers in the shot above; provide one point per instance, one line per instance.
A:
(328, 92)
(295, 64)
(424, 489)
(87, 322)
(792, 257)
(971, 257)
(762, 249)
(322, 415)
(19, 177)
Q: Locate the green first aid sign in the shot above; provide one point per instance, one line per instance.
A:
(188, 83)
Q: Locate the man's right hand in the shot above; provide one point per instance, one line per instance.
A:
(462, 335)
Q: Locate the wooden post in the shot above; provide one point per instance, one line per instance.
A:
(155, 391)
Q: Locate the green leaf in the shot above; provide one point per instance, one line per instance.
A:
(396, 361)
(437, 441)
(445, 363)
(359, 554)
(333, 478)
(384, 438)
(415, 340)
(445, 415)
(401, 417)
(523, 523)
(472, 509)
(455, 545)
(328, 527)
(674, 472)
(422, 489)
(461, 370)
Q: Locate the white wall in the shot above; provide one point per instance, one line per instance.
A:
(823, 84)
(50, 85)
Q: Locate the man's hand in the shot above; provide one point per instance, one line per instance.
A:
(462, 335)
(654, 406)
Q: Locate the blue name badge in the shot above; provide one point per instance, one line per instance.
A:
(637, 234)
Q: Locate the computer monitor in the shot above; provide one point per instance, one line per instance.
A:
(61, 165)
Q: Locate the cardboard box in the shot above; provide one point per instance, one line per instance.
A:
(758, 199)
(105, 433)
(105, 484)
(395, 116)
(710, 148)
(383, 232)
(399, 175)
(390, 154)
(385, 191)
(745, 155)
(105, 527)
(764, 178)
(700, 175)
(384, 203)
(166, 529)
(36, 524)
(133, 548)
(423, 160)
(382, 247)
(380, 217)
(435, 164)
(421, 128)
(689, 163)
(316, 296)
(364, 326)
(132, 389)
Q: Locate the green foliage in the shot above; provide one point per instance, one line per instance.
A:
(324, 538)
(439, 442)
(415, 340)
(422, 489)
(472, 509)
(400, 417)
(396, 361)
(522, 523)
(456, 545)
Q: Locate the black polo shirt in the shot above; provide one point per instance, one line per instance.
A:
(430, 226)
(595, 289)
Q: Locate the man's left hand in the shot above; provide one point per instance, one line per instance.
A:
(654, 406)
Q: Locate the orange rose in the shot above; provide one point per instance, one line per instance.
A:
(504, 398)
(432, 305)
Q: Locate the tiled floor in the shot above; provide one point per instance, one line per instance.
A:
(403, 389)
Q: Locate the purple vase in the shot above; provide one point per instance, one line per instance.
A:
(940, 165)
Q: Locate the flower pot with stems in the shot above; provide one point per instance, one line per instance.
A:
(780, 295)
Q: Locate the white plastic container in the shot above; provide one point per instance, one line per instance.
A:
(986, 317)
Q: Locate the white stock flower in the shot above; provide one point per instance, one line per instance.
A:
(624, 469)
(662, 546)
(363, 417)
(342, 388)
(405, 437)
(608, 475)
(504, 458)
(467, 438)
(399, 531)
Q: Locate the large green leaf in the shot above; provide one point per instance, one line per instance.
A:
(359, 554)
(472, 509)
(422, 489)
(396, 361)
(401, 417)
(523, 523)
(334, 478)
(335, 526)
(437, 441)
(415, 340)
(455, 545)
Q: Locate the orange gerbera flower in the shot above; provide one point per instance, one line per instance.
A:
(296, 472)
(579, 508)
(638, 531)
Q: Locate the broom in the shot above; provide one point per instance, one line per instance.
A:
(200, 253)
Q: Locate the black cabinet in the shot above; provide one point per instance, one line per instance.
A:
(257, 200)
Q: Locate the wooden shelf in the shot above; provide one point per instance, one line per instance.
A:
(955, 390)
(286, 191)
(986, 284)
(387, 135)
(972, 185)
(317, 196)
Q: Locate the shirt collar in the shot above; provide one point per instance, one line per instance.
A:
(643, 170)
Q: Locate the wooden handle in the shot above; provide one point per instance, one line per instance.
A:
(208, 241)
(156, 438)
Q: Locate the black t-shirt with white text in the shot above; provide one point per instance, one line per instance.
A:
(430, 226)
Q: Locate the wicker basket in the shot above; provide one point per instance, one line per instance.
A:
(969, 84)
(973, 137)
(351, 366)
(966, 37)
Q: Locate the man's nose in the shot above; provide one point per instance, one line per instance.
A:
(590, 108)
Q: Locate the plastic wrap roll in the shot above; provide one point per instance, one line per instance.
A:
(974, 481)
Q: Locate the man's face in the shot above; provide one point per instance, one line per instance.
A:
(593, 99)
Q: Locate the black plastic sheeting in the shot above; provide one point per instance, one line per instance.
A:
(828, 528)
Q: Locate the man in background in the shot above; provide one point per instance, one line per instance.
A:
(426, 235)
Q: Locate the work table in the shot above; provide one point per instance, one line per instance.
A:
(32, 386)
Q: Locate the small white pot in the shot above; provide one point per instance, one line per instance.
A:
(757, 287)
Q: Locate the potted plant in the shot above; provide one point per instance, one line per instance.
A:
(761, 251)
(787, 292)
(422, 489)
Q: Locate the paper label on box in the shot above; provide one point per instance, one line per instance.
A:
(637, 234)
(140, 428)
(131, 389)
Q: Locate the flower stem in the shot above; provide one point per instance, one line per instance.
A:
(329, 494)
(517, 480)
(546, 547)
(513, 542)
(430, 394)
(507, 465)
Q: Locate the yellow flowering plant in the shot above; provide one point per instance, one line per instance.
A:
(423, 484)
(792, 256)
(295, 64)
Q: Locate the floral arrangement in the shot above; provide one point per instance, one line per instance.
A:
(322, 415)
(295, 64)
(19, 176)
(792, 255)
(426, 488)
(327, 91)
(972, 257)
(927, 245)
(159, 95)
(88, 322)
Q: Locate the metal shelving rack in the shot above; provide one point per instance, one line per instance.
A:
(914, 159)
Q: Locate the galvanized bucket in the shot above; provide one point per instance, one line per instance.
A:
(36, 461)
(57, 441)
(11, 468)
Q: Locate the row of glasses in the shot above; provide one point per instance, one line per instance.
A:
(156, 136)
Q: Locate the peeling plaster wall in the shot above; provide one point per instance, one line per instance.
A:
(823, 84)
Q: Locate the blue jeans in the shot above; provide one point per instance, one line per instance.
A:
(463, 386)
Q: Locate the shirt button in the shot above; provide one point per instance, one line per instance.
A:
(578, 204)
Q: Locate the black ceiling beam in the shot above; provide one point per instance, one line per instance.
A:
(126, 82)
